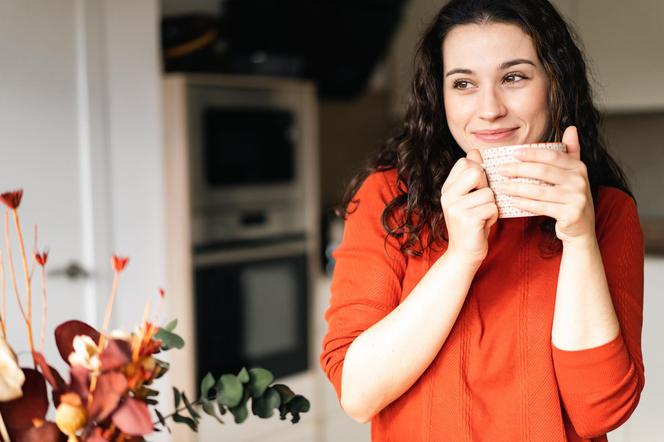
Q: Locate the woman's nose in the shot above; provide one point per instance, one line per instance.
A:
(492, 106)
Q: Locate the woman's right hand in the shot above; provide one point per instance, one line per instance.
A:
(469, 207)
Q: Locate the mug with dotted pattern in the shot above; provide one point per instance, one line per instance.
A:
(495, 156)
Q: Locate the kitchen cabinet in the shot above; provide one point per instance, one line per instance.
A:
(624, 43)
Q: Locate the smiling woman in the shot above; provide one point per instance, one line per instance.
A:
(447, 323)
(495, 98)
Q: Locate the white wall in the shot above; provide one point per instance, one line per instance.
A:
(80, 130)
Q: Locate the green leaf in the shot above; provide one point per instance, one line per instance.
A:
(206, 384)
(208, 408)
(186, 420)
(243, 375)
(229, 390)
(259, 379)
(192, 411)
(149, 392)
(240, 412)
(163, 367)
(176, 397)
(264, 406)
(171, 325)
(162, 420)
(300, 404)
(168, 339)
(285, 392)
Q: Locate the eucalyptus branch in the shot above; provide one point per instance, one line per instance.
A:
(197, 403)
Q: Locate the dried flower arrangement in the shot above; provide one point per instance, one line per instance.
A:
(108, 396)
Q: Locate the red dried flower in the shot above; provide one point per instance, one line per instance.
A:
(119, 262)
(41, 258)
(162, 293)
(12, 199)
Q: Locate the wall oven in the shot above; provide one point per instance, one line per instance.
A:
(251, 307)
(252, 161)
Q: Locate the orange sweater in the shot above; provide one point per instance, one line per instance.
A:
(497, 377)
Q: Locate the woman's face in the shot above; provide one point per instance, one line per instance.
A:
(494, 86)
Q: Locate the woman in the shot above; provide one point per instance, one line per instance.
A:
(446, 323)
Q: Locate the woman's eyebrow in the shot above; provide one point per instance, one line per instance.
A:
(505, 65)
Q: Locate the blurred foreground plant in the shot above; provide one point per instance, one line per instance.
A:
(109, 395)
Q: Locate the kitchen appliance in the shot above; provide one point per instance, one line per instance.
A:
(250, 157)
(252, 308)
(251, 154)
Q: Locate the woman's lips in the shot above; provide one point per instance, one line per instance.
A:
(495, 135)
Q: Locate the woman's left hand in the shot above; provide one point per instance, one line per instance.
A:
(569, 200)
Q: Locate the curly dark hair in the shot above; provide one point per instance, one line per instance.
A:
(424, 151)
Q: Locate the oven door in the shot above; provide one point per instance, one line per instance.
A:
(251, 309)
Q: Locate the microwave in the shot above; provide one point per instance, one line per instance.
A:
(251, 147)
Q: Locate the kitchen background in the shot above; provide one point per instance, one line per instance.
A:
(84, 129)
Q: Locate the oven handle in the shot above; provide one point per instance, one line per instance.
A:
(245, 254)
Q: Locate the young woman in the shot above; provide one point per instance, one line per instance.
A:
(449, 324)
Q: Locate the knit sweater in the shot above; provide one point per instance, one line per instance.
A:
(498, 376)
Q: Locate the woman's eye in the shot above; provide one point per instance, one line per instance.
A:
(514, 78)
(462, 84)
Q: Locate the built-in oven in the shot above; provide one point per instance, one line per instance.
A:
(251, 306)
(253, 189)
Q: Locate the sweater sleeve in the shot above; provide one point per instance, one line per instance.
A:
(368, 272)
(601, 386)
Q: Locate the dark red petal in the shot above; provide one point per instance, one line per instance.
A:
(162, 293)
(12, 199)
(19, 413)
(133, 418)
(47, 432)
(110, 388)
(116, 354)
(80, 381)
(67, 331)
(50, 374)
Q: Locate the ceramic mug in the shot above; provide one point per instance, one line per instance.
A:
(495, 156)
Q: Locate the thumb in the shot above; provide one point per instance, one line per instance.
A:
(571, 141)
(474, 155)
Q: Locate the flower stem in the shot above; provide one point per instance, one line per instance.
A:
(109, 310)
(3, 430)
(102, 335)
(43, 324)
(10, 262)
(195, 403)
(27, 280)
(2, 298)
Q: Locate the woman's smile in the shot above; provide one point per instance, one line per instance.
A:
(495, 135)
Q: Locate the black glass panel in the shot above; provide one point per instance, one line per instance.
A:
(252, 314)
(247, 146)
